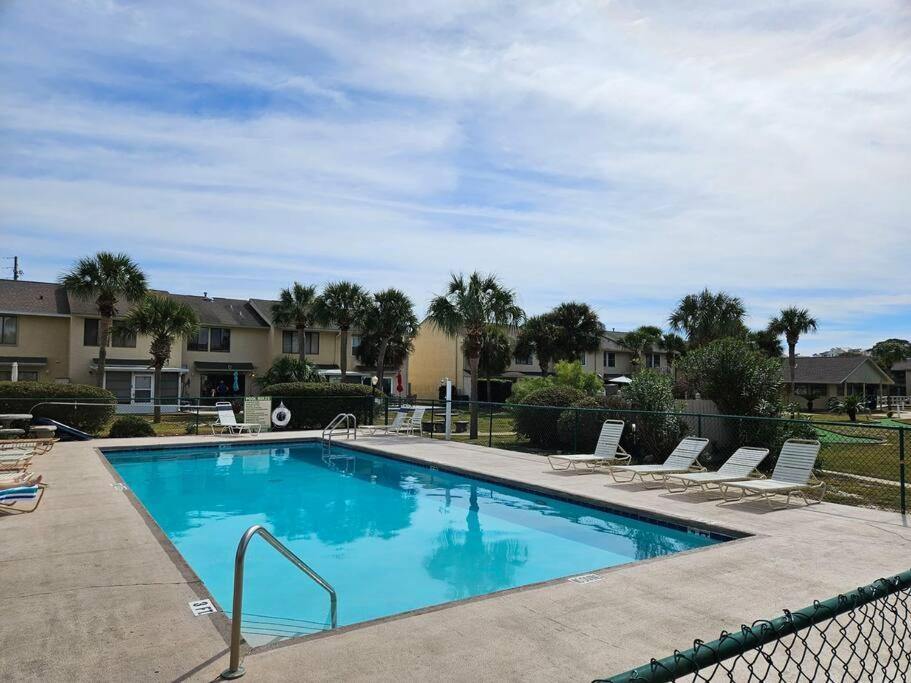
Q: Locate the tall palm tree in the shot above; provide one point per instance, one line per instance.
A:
(390, 322)
(107, 278)
(707, 316)
(579, 331)
(163, 319)
(344, 304)
(468, 308)
(674, 345)
(294, 308)
(792, 322)
(641, 341)
(496, 355)
(538, 336)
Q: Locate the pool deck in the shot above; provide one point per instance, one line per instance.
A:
(90, 592)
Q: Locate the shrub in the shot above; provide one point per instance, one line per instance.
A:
(130, 426)
(288, 369)
(579, 429)
(566, 374)
(659, 428)
(314, 404)
(20, 397)
(539, 424)
(527, 385)
(735, 376)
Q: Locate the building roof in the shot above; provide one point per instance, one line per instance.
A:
(226, 312)
(902, 365)
(35, 298)
(827, 370)
(264, 308)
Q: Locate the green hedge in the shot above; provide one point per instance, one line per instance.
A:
(538, 417)
(579, 429)
(314, 404)
(20, 397)
(130, 426)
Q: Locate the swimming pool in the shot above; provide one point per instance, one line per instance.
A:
(390, 536)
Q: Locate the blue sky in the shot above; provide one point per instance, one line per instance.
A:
(616, 152)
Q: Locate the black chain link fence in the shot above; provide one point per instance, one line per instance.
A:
(863, 635)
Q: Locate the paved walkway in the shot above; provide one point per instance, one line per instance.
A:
(90, 593)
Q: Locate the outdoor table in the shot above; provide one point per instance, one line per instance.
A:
(11, 433)
(42, 430)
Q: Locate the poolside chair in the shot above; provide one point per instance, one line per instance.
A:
(684, 458)
(30, 447)
(415, 421)
(9, 480)
(228, 424)
(607, 452)
(15, 461)
(9, 497)
(739, 467)
(398, 422)
(793, 475)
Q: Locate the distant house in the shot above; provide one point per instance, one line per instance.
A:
(819, 378)
(901, 373)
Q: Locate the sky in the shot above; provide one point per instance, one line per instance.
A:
(619, 153)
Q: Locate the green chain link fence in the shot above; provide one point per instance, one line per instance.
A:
(863, 635)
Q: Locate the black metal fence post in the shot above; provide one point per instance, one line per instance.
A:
(490, 427)
(576, 433)
(197, 417)
(901, 466)
(699, 425)
(386, 409)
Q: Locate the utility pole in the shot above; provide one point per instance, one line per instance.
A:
(16, 271)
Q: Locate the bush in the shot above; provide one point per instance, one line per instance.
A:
(20, 397)
(314, 404)
(289, 369)
(538, 424)
(566, 374)
(130, 426)
(658, 427)
(579, 429)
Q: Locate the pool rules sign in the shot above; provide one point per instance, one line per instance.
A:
(258, 410)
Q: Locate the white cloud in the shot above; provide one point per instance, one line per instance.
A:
(616, 152)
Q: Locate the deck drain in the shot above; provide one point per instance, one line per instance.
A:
(200, 607)
(586, 578)
(119, 487)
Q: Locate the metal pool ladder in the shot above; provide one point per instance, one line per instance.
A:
(342, 421)
(235, 670)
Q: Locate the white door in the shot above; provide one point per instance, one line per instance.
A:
(142, 388)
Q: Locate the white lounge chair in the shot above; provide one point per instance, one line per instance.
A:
(398, 422)
(684, 458)
(739, 467)
(228, 424)
(607, 452)
(9, 497)
(415, 421)
(793, 475)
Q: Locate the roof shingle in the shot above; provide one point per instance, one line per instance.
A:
(36, 298)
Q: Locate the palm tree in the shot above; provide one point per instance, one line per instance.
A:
(538, 336)
(767, 343)
(163, 319)
(674, 345)
(294, 308)
(469, 307)
(344, 304)
(390, 322)
(496, 355)
(792, 322)
(579, 331)
(641, 341)
(707, 316)
(107, 278)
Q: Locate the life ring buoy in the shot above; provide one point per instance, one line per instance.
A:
(281, 416)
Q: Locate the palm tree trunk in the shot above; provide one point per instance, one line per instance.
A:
(104, 336)
(301, 334)
(381, 363)
(792, 363)
(156, 411)
(473, 362)
(343, 356)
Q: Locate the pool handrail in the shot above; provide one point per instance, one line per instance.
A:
(235, 670)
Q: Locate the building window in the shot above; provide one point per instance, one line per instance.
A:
(355, 344)
(653, 360)
(219, 339)
(199, 341)
(290, 345)
(522, 360)
(24, 375)
(9, 328)
(120, 337)
(610, 359)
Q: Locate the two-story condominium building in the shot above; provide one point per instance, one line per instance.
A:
(53, 336)
(438, 356)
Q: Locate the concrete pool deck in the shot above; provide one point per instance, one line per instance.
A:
(91, 593)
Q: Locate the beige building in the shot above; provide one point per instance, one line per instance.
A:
(438, 356)
(53, 337)
(820, 378)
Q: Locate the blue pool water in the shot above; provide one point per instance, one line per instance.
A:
(389, 536)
